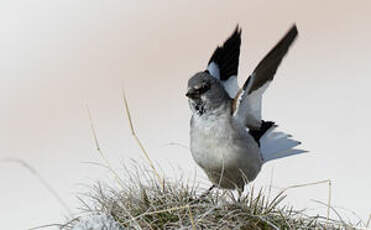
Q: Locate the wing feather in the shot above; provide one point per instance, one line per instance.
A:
(249, 102)
(223, 64)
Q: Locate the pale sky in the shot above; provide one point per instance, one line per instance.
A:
(57, 56)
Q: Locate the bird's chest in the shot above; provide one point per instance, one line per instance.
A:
(212, 142)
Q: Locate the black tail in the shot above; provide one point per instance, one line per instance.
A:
(257, 134)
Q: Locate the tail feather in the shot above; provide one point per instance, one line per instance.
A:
(278, 135)
(277, 144)
(287, 153)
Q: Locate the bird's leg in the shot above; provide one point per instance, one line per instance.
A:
(211, 188)
(203, 195)
(239, 195)
(208, 191)
(240, 191)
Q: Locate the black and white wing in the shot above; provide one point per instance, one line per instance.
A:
(223, 64)
(249, 101)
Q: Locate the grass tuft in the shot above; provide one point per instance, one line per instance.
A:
(144, 204)
(147, 200)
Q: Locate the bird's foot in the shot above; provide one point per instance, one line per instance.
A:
(203, 195)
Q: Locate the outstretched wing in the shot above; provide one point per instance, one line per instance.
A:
(223, 64)
(249, 101)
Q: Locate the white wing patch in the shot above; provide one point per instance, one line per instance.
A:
(213, 69)
(230, 85)
(249, 106)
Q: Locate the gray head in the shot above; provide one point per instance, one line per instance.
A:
(205, 93)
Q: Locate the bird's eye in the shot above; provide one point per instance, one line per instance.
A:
(203, 88)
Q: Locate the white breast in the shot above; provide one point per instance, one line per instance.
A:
(211, 142)
(217, 147)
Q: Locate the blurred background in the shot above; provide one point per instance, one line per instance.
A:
(57, 56)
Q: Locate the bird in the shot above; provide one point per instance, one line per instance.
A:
(229, 139)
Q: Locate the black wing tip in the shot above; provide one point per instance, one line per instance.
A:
(270, 63)
(226, 56)
(294, 29)
(237, 31)
(291, 34)
(236, 36)
(233, 40)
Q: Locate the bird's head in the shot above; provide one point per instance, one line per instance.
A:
(205, 93)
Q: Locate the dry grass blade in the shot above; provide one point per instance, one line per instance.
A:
(139, 142)
(277, 200)
(270, 183)
(368, 221)
(159, 212)
(99, 149)
(334, 210)
(47, 226)
(34, 172)
(131, 218)
(178, 144)
(328, 181)
(60, 226)
(167, 210)
(191, 218)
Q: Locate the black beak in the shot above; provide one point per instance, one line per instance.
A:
(192, 93)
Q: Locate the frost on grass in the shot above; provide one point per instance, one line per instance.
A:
(99, 221)
(140, 202)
